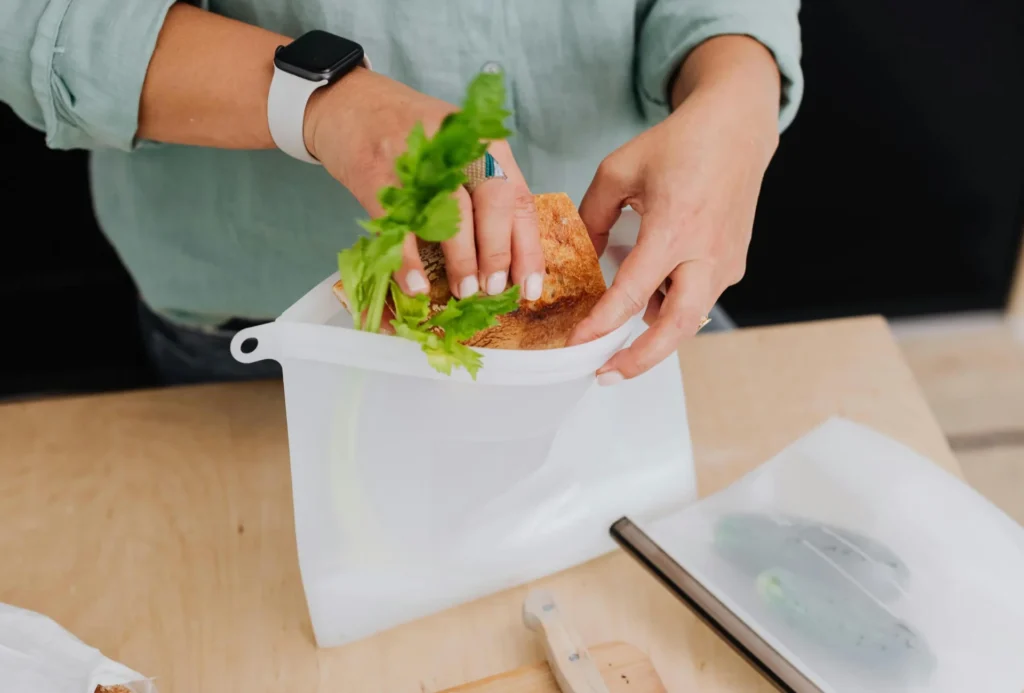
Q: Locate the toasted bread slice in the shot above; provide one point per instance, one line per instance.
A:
(572, 286)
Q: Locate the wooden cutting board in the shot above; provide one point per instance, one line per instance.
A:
(623, 667)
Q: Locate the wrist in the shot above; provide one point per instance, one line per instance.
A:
(330, 99)
(312, 118)
(731, 64)
(738, 79)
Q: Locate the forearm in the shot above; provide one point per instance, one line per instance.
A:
(735, 64)
(208, 81)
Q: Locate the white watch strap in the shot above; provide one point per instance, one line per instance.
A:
(286, 112)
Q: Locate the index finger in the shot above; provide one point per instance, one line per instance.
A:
(640, 275)
(681, 315)
(602, 204)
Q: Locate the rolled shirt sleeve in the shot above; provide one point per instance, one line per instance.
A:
(673, 28)
(75, 68)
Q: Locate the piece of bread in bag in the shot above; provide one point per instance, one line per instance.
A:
(572, 286)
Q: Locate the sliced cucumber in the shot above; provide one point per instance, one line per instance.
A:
(755, 542)
(847, 623)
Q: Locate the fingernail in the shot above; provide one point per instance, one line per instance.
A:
(534, 286)
(468, 287)
(496, 283)
(610, 378)
(416, 283)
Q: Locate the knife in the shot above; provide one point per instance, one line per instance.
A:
(568, 657)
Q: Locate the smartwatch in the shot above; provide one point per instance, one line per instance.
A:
(313, 60)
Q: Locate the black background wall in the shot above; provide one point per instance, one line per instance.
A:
(68, 305)
(900, 187)
(899, 190)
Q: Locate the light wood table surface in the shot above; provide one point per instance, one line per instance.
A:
(157, 526)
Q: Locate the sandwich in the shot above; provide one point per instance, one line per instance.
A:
(428, 173)
(572, 286)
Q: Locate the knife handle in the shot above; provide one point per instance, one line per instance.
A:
(570, 661)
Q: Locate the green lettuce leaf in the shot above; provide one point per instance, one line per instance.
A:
(429, 171)
(459, 321)
(410, 310)
(462, 319)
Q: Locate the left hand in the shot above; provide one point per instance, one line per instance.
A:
(694, 179)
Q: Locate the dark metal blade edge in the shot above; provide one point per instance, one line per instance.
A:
(728, 626)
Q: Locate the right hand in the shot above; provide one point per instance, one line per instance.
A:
(358, 126)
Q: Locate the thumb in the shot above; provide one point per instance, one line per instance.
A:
(602, 204)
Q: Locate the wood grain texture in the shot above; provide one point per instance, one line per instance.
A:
(974, 381)
(157, 526)
(573, 666)
(973, 378)
(624, 668)
(747, 401)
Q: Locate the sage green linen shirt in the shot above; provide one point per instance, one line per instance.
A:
(211, 234)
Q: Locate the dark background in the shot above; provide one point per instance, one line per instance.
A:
(900, 187)
(898, 190)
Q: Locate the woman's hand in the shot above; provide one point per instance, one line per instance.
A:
(694, 178)
(358, 126)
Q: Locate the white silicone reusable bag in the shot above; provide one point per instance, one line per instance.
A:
(415, 491)
(865, 565)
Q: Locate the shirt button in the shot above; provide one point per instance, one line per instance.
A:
(492, 67)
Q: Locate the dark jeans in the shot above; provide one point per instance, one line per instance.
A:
(184, 355)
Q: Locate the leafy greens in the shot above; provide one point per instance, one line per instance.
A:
(429, 171)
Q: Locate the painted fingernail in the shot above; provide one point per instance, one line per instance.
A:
(610, 378)
(416, 283)
(496, 283)
(534, 286)
(468, 287)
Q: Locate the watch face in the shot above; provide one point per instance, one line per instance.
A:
(319, 55)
